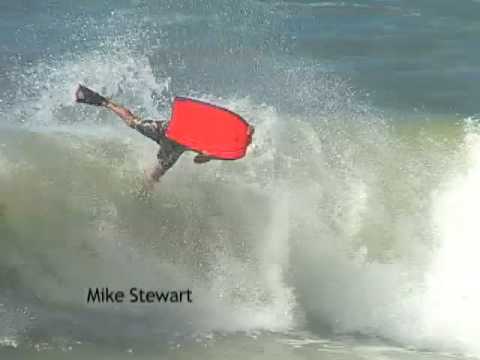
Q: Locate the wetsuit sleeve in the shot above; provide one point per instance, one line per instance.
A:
(153, 129)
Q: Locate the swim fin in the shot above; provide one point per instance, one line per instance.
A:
(86, 96)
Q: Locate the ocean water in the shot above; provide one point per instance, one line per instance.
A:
(349, 231)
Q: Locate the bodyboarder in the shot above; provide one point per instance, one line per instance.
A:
(169, 151)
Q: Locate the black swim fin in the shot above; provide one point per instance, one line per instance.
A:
(86, 96)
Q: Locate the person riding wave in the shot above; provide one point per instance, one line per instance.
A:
(169, 151)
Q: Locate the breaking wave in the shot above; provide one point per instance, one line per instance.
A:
(338, 221)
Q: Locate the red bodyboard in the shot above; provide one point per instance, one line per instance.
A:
(208, 129)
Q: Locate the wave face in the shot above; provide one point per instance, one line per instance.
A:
(342, 219)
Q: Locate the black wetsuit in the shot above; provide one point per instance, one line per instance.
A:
(169, 151)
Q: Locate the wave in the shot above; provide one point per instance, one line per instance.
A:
(338, 221)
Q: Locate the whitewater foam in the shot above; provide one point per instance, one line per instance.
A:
(327, 225)
(452, 286)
